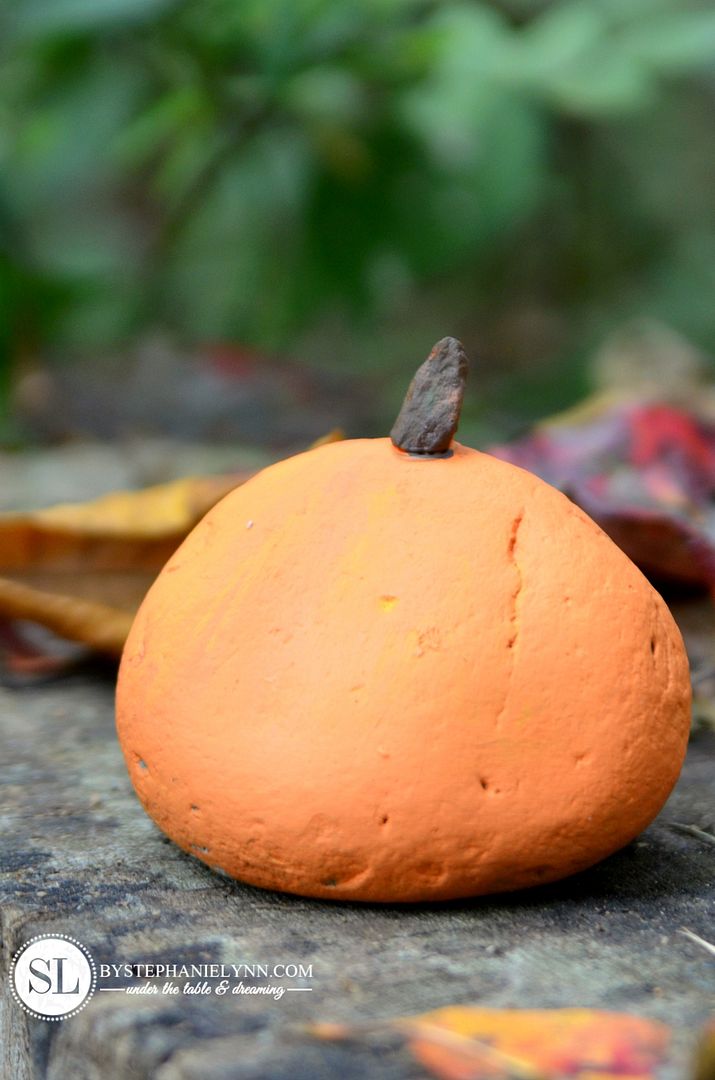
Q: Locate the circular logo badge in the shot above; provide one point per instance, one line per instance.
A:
(52, 976)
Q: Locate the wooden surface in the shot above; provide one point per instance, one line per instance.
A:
(80, 857)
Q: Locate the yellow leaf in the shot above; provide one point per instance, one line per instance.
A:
(334, 435)
(82, 569)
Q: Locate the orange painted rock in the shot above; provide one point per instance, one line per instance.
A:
(377, 676)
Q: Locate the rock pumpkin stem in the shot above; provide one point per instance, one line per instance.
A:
(430, 412)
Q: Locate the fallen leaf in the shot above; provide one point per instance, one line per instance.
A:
(704, 1064)
(538, 1043)
(25, 661)
(82, 569)
(644, 471)
(465, 1042)
(334, 435)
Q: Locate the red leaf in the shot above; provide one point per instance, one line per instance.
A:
(644, 472)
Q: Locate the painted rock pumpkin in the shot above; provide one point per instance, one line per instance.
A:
(402, 670)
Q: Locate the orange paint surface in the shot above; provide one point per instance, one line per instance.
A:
(368, 676)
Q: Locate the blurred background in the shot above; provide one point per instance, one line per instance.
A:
(231, 225)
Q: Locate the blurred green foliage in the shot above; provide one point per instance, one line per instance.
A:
(241, 168)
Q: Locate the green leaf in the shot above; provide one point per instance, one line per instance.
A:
(62, 147)
(325, 93)
(82, 243)
(36, 18)
(231, 270)
(195, 151)
(610, 84)
(677, 42)
(461, 213)
(163, 120)
(447, 108)
(561, 36)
